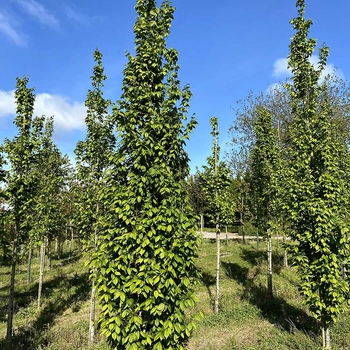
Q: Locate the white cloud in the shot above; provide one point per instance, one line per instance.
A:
(68, 115)
(76, 16)
(38, 11)
(8, 28)
(281, 70)
(7, 103)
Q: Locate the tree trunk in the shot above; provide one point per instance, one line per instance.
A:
(217, 296)
(11, 298)
(226, 236)
(242, 223)
(202, 223)
(92, 314)
(326, 338)
(257, 236)
(41, 274)
(269, 262)
(29, 264)
(49, 260)
(71, 241)
(285, 254)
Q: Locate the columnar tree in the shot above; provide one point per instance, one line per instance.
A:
(263, 179)
(21, 180)
(93, 159)
(48, 219)
(145, 269)
(317, 186)
(216, 185)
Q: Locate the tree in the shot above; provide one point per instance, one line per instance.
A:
(216, 184)
(198, 199)
(21, 179)
(318, 192)
(48, 219)
(264, 179)
(93, 160)
(145, 270)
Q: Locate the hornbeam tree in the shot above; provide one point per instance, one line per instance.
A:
(92, 158)
(216, 183)
(317, 188)
(145, 270)
(48, 220)
(21, 179)
(263, 179)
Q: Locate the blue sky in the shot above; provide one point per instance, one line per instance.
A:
(226, 47)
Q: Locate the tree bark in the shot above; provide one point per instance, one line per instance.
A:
(11, 298)
(257, 236)
(326, 338)
(269, 262)
(29, 268)
(92, 314)
(285, 254)
(49, 260)
(41, 273)
(242, 223)
(217, 296)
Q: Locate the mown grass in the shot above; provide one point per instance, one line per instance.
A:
(249, 317)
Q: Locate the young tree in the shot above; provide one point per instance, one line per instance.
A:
(145, 269)
(21, 181)
(317, 187)
(216, 184)
(263, 179)
(93, 159)
(48, 220)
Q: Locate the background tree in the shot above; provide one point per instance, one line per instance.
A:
(48, 219)
(93, 159)
(198, 198)
(264, 179)
(317, 187)
(145, 269)
(216, 184)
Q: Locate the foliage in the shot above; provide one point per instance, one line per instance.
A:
(22, 156)
(92, 157)
(51, 167)
(198, 198)
(145, 270)
(263, 176)
(218, 184)
(317, 188)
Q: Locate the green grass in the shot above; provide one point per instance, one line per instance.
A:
(249, 318)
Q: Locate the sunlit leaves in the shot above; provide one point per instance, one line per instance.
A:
(144, 263)
(317, 188)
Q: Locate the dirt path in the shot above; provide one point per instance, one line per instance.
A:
(223, 235)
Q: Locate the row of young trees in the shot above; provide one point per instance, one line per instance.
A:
(133, 203)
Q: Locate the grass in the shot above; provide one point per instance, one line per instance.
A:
(249, 318)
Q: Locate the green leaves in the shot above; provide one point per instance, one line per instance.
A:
(264, 172)
(316, 187)
(144, 261)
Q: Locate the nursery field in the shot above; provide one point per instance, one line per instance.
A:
(249, 318)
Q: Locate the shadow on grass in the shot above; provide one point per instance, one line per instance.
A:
(275, 309)
(256, 257)
(75, 289)
(26, 293)
(208, 280)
